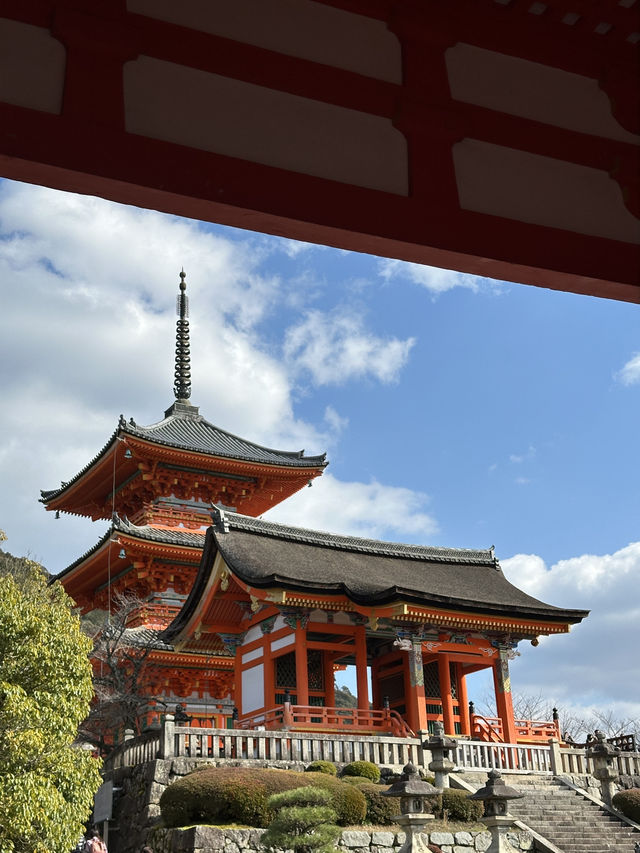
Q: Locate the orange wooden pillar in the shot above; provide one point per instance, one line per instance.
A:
(376, 697)
(269, 675)
(302, 670)
(463, 701)
(329, 682)
(361, 668)
(237, 693)
(504, 703)
(416, 707)
(444, 676)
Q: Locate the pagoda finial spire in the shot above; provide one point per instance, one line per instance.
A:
(182, 384)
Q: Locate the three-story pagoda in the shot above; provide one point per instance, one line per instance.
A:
(157, 484)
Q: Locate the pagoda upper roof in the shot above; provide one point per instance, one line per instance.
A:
(184, 428)
(267, 555)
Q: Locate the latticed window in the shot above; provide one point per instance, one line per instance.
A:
(316, 670)
(431, 680)
(453, 675)
(286, 671)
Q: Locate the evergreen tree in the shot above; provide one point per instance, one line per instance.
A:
(303, 823)
(46, 784)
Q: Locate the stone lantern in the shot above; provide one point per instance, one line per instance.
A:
(440, 746)
(412, 792)
(603, 754)
(495, 795)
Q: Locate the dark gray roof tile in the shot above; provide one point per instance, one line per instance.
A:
(185, 429)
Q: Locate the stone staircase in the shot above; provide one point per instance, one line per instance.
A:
(572, 822)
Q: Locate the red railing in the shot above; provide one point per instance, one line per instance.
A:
(313, 718)
(490, 729)
(487, 728)
(537, 730)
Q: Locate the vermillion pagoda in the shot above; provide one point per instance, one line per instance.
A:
(257, 616)
(157, 483)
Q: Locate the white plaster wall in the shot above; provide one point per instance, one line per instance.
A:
(254, 633)
(254, 655)
(282, 642)
(252, 689)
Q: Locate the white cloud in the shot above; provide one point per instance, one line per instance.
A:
(433, 279)
(87, 331)
(518, 458)
(371, 510)
(336, 347)
(597, 663)
(522, 481)
(335, 421)
(630, 373)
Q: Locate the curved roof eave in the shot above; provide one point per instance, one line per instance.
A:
(51, 494)
(183, 618)
(195, 434)
(174, 536)
(207, 439)
(393, 593)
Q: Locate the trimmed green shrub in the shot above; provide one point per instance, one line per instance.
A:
(303, 823)
(239, 795)
(628, 802)
(458, 806)
(366, 769)
(322, 767)
(380, 810)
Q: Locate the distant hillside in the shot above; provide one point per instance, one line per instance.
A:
(18, 566)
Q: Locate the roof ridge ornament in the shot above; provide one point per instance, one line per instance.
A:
(182, 384)
(220, 521)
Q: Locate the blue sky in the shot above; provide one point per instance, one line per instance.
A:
(455, 410)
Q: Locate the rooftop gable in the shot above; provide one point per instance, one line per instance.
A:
(266, 555)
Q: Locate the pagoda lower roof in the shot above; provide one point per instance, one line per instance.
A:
(175, 536)
(183, 428)
(367, 572)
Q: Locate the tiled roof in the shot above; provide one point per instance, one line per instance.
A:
(264, 554)
(190, 431)
(324, 539)
(185, 429)
(170, 536)
(147, 638)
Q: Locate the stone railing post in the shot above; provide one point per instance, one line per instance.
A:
(168, 737)
(556, 757)
(129, 734)
(424, 751)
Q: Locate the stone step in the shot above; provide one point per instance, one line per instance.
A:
(572, 822)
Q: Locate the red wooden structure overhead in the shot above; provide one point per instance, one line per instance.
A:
(498, 137)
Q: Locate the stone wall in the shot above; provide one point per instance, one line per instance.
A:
(206, 839)
(138, 790)
(137, 812)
